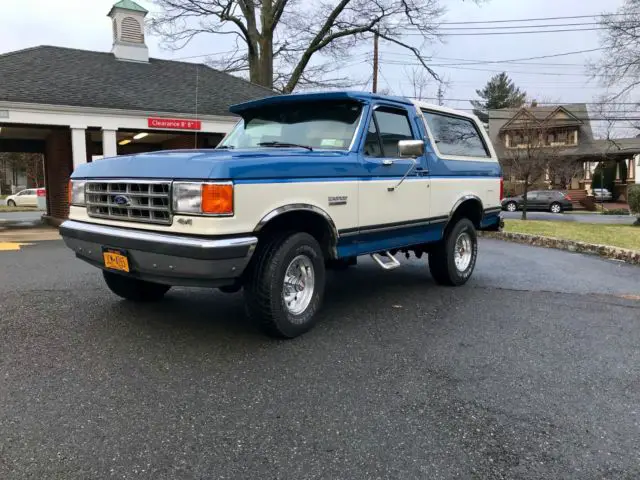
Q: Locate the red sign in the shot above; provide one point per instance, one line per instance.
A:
(174, 123)
(40, 192)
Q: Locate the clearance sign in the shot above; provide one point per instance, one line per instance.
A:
(174, 123)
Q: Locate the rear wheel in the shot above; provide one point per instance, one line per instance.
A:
(453, 259)
(285, 285)
(134, 289)
(555, 207)
(11, 203)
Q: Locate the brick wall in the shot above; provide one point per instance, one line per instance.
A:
(58, 166)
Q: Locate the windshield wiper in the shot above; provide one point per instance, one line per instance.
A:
(284, 144)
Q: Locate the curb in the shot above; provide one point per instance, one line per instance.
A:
(607, 251)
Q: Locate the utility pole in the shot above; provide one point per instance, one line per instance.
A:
(440, 94)
(375, 62)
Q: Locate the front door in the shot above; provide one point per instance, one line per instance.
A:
(383, 205)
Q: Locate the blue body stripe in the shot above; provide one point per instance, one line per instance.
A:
(375, 242)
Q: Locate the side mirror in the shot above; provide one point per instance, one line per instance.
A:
(411, 148)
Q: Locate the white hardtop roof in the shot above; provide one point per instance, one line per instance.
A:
(439, 108)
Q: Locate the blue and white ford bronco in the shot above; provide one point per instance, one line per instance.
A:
(302, 184)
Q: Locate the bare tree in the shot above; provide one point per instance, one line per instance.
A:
(529, 158)
(284, 44)
(619, 67)
(420, 82)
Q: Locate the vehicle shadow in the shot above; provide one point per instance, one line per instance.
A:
(210, 313)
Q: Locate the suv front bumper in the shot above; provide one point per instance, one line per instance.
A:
(163, 258)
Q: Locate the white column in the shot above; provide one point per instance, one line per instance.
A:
(109, 143)
(78, 146)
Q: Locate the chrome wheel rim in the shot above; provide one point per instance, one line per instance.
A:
(463, 251)
(511, 207)
(555, 208)
(299, 285)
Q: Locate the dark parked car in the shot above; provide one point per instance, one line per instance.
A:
(548, 200)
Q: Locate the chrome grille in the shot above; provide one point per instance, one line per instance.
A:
(130, 200)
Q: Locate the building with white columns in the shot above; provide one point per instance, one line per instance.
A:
(77, 106)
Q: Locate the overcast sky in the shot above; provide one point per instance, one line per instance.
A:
(83, 24)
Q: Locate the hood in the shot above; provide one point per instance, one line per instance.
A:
(222, 164)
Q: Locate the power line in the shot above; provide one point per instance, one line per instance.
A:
(597, 15)
(562, 30)
(512, 27)
(513, 60)
(395, 62)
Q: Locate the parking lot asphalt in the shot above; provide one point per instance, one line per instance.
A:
(530, 371)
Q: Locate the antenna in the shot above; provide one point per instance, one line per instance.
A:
(195, 138)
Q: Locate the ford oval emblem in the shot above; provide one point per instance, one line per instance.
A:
(121, 200)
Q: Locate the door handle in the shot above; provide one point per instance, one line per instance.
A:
(386, 162)
(422, 171)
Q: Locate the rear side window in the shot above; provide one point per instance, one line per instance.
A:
(455, 136)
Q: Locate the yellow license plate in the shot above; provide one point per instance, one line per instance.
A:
(116, 261)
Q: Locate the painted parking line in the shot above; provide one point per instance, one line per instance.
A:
(12, 246)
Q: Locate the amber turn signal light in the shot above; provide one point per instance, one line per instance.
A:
(217, 198)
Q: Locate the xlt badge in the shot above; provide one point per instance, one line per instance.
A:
(339, 200)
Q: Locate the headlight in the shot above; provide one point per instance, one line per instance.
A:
(76, 192)
(197, 198)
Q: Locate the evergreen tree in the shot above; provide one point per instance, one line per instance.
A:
(499, 92)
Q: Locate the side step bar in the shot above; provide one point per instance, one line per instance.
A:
(390, 263)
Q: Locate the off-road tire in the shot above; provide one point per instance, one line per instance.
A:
(442, 258)
(264, 284)
(134, 289)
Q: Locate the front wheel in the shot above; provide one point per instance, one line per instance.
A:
(556, 208)
(453, 259)
(285, 285)
(11, 203)
(512, 207)
(134, 289)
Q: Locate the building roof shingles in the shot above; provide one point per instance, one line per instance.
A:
(65, 76)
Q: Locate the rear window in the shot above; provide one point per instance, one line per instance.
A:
(455, 136)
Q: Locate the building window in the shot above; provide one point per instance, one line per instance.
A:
(131, 31)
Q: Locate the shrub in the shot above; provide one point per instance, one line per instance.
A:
(634, 200)
(616, 211)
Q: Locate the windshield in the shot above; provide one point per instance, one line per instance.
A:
(322, 125)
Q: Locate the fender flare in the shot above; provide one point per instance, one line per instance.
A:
(459, 202)
(293, 207)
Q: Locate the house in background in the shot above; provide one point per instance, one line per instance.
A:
(563, 132)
